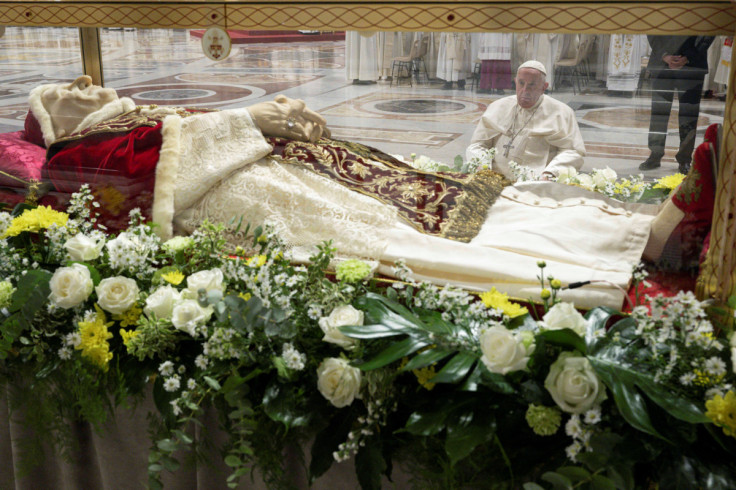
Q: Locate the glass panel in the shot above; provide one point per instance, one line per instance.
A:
(30, 56)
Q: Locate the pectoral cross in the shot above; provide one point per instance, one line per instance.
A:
(508, 147)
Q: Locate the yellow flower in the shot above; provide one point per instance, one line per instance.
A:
(35, 220)
(722, 411)
(424, 375)
(257, 261)
(173, 277)
(500, 301)
(244, 296)
(94, 345)
(669, 182)
(128, 335)
(130, 317)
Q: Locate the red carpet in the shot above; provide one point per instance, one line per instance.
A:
(247, 37)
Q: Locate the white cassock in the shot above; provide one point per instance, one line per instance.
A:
(624, 61)
(361, 56)
(453, 60)
(495, 46)
(545, 137)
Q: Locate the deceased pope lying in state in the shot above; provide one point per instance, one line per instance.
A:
(476, 230)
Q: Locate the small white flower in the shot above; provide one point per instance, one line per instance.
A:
(166, 368)
(72, 339)
(573, 427)
(175, 408)
(592, 416)
(573, 450)
(181, 369)
(687, 379)
(715, 366)
(201, 361)
(65, 353)
(191, 384)
(172, 383)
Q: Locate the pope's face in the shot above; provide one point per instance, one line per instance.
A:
(530, 85)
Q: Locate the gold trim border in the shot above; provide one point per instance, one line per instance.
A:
(643, 18)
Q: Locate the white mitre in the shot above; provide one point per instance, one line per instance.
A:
(534, 64)
(62, 109)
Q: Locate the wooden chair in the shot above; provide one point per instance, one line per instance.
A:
(411, 63)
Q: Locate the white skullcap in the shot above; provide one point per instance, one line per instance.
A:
(533, 64)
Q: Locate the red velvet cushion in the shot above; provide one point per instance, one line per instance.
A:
(20, 159)
(32, 131)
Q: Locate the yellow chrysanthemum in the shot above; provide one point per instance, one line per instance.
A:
(173, 277)
(500, 301)
(35, 220)
(424, 375)
(257, 260)
(94, 334)
(669, 182)
(130, 317)
(128, 335)
(244, 296)
(722, 411)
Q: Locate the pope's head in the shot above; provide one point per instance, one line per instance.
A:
(69, 103)
(530, 83)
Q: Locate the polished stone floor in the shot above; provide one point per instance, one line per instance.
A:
(167, 67)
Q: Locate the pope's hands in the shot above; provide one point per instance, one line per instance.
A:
(289, 118)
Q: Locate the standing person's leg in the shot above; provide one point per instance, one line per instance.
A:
(662, 95)
(690, 91)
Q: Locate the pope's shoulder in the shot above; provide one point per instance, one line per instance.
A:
(557, 104)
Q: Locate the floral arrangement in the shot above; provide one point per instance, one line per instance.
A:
(483, 160)
(459, 389)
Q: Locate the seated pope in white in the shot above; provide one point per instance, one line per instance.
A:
(217, 166)
(530, 128)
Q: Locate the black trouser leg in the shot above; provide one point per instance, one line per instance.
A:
(689, 94)
(662, 95)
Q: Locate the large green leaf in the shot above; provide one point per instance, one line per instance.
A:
(427, 357)
(467, 430)
(393, 352)
(281, 405)
(375, 331)
(379, 309)
(456, 368)
(32, 293)
(430, 419)
(565, 338)
(327, 441)
(370, 465)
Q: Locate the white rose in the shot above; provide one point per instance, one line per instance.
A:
(586, 181)
(338, 381)
(116, 294)
(187, 314)
(210, 280)
(601, 177)
(503, 351)
(82, 247)
(564, 315)
(70, 286)
(573, 384)
(340, 316)
(566, 174)
(161, 302)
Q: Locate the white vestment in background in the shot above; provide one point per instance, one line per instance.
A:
(453, 59)
(625, 61)
(545, 137)
(361, 56)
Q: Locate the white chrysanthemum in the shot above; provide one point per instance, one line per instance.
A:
(715, 366)
(573, 427)
(573, 450)
(72, 339)
(293, 358)
(191, 384)
(687, 379)
(592, 416)
(65, 353)
(175, 408)
(201, 361)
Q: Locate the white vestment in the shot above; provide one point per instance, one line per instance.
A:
(495, 46)
(217, 166)
(624, 61)
(361, 56)
(545, 137)
(453, 60)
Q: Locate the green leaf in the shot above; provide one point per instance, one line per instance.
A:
(574, 473)
(281, 405)
(370, 465)
(427, 357)
(600, 482)
(456, 368)
(379, 309)
(32, 293)
(171, 464)
(565, 338)
(393, 352)
(497, 382)
(732, 302)
(167, 445)
(559, 482)
(372, 331)
(430, 421)
(467, 430)
(233, 461)
(327, 441)
(532, 486)
(213, 383)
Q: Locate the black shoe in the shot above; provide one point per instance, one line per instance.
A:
(447, 86)
(650, 164)
(683, 168)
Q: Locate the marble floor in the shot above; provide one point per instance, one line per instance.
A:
(167, 67)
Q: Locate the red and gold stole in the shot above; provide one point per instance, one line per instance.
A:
(445, 204)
